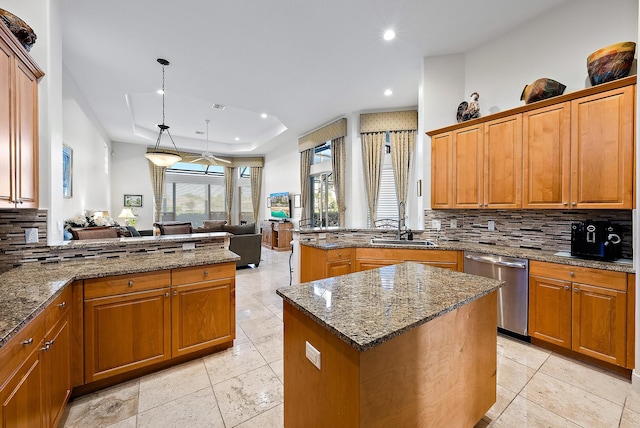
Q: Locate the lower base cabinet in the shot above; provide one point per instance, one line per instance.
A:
(581, 309)
(372, 258)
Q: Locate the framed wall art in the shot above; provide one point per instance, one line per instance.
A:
(133, 201)
(67, 171)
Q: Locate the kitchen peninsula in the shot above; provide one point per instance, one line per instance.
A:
(402, 345)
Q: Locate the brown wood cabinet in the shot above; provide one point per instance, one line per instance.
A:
(18, 124)
(441, 170)
(277, 235)
(202, 307)
(317, 263)
(372, 258)
(602, 149)
(571, 151)
(22, 400)
(581, 309)
(547, 157)
(134, 321)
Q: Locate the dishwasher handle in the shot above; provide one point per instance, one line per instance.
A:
(516, 265)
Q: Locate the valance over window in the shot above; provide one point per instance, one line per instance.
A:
(320, 136)
(389, 121)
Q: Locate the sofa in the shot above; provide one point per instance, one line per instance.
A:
(244, 241)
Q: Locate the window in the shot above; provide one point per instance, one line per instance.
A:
(324, 208)
(387, 197)
(322, 154)
(246, 206)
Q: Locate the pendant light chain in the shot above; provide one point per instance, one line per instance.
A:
(163, 93)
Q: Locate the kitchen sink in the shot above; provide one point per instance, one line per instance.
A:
(402, 242)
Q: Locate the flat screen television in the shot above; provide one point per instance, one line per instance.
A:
(280, 205)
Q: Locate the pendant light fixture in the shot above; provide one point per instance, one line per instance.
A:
(158, 157)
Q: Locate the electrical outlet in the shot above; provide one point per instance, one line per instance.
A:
(436, 224)
(453, 223)
(313, 355)
(491, 225)
(31, 235)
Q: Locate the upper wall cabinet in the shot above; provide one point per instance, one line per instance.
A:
(571, 151)
(19, 77)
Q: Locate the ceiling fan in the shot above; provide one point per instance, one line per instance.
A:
(208, 156)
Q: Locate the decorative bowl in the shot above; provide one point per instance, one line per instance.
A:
(541, 89)
(23, 32)
(611, 62)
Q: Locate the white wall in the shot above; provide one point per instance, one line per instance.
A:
(555, 45)
(130, 176)
(281, 173)
(91, 147)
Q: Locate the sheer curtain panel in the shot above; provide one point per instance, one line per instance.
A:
(157, 174)
(372, 145)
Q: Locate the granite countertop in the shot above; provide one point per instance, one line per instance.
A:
(138, 240)
(524, 253)
(28, 289)
(367, 308)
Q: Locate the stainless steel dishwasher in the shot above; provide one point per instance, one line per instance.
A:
(513, 297)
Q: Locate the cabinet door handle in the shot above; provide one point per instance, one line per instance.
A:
(166, 294)
(175, 293)
(130, 283)
(574, 204)
(566, 287)
(46, 347)
(62, 305)
(576, 289)
(206, 272)
(565, 204)
(572, 274)
(29, 341)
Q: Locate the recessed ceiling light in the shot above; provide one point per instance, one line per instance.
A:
(159, 92)
(199, 132)
(263, 115)
(237, 138)
(389, 35)
(388, 92)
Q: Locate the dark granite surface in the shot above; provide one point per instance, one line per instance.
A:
(525, 253)
(139, 240)
(25, 291)
(367, 308)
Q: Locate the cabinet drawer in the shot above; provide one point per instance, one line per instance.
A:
(339, 254)
(602, 278)
(121, 284)
(13, 353)
(190, 275)
(56, 309)
(408, 254)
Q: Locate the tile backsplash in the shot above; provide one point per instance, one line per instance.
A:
(536, 229)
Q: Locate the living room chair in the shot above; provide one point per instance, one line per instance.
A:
(94, 232)
(175, 228)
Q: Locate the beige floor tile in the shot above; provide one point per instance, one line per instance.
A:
(523, 413)
(131, 422)
(570, 402)
(272, 418)
(521, 352)
(198, 409)
(103, 408)
(512, 375)
(232, 362)
(246, 396)
(271, 347)
(633, 400)
(260, 327)
(503, 398)
(630, 419)
(170, 384)
(253, 311)
(586, 377)
(278, 369)
(241, 336)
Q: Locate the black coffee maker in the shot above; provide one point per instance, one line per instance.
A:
(599, 240)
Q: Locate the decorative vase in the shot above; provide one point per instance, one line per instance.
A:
(611, 62)
(19, 28)
(541, 89)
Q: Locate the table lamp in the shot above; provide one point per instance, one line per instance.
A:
(128, 216)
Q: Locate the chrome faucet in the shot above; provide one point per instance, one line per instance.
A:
(401, 223)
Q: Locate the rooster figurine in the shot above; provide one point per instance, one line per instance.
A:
(469, 110)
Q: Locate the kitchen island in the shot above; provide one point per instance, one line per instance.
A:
(404, 345)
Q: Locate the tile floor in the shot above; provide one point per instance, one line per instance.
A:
(242, 386)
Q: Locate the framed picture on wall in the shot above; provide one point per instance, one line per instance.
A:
(67, 171)
(133, 201)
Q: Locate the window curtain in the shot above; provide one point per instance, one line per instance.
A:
(305, 170)
(230, 174)
(402, 143)
(372, 145)
(256, 190)
(338, 160)
(157, 182)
